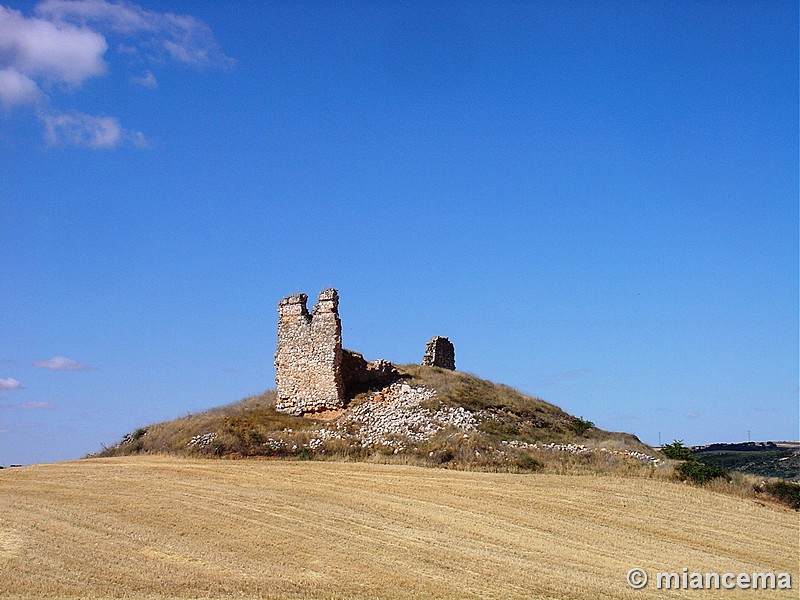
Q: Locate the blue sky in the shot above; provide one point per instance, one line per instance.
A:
(597, 202)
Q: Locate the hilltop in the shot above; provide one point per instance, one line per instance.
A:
(331, 403)
(426, 415)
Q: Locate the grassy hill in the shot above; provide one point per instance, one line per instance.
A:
(430, 416)
(153, 518)
(167, 527)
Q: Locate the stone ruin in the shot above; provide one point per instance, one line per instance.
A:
(308, 361)
(314, 373)
(440, 352)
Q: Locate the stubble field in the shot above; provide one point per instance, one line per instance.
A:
(158, 527)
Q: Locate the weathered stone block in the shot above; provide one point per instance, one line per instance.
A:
(440, 352)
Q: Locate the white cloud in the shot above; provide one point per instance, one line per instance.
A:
(36, 406)
(181, 37)
(119, 16)
(9, 384)
(65, 44)
(16, 88)
(60, 363)
(146, 79)
(87, 131)
(58, 52)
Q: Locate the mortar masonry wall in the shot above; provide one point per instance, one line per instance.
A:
(313, 373)
(309, 355)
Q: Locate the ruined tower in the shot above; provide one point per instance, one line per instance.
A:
(308, 359)
(313, 373)
(440, 352)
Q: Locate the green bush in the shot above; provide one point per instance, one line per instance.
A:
(698, 472)
(785, 492)
(677, 451)
(581, 425)
(526, 462)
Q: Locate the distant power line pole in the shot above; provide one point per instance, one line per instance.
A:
(659, 439)
(748, 435)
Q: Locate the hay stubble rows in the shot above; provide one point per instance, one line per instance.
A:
(157, 527)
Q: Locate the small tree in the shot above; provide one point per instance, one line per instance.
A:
(677, 451)
(691, 468)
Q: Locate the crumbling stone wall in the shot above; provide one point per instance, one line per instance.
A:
(360, 375)
(313, 372)
(309, 355)
(440, 352)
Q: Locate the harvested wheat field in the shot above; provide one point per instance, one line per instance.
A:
(157, 527)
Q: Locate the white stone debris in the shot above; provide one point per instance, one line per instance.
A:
(204, 440)
(274, 444)
(130, 438)
(393, 417)
(583, 450)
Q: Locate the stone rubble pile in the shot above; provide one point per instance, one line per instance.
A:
(393, 417)
(276, 445)
(130, 438)
(204, 440)
(581, 449)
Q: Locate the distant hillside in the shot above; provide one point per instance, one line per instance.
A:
(767, 459)
(428, 416)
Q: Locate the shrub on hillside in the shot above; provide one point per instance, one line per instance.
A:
(527, 463)
(691, 469)
(581, 425)
(785, 492)
(698, 472)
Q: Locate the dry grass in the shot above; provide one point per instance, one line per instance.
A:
(252, 427)
(514, 415)
(159, 527)
(240, 429)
